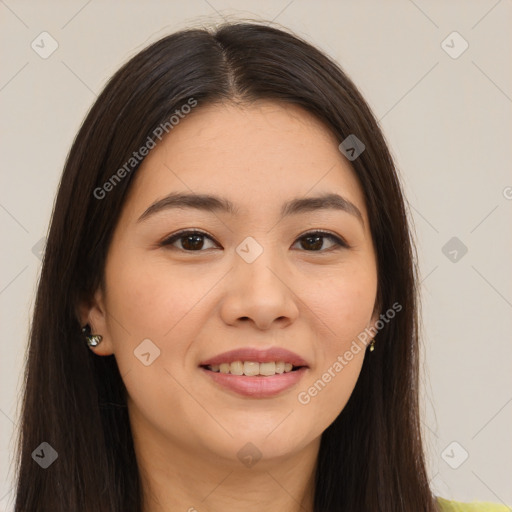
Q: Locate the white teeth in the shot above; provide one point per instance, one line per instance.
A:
(252, 368)
(236, 368)
(268, 368)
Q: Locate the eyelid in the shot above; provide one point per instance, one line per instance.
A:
(328, 234)
(168, 240)
(339, 241)
(186, 231)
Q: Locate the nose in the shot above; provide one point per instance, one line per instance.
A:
(260, 293)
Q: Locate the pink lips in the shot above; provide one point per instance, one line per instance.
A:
(257, 386)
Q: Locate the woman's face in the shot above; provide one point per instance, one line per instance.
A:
(251, 279)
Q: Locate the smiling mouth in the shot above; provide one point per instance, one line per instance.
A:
(253, 368)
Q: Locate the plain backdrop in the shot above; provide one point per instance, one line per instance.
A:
(437, 75)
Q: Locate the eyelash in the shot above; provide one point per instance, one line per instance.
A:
(339, 242)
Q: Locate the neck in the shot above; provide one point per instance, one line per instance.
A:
(191, 479)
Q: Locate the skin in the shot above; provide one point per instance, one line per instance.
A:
(195, 305)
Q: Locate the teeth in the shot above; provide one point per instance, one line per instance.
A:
(236, 368)
(267, 368)
(252, 368)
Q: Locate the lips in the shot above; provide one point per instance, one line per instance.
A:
(256, 386)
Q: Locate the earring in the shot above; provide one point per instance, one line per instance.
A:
(93, 340)
(372, 345)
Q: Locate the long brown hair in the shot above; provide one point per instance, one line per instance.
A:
(371, 457)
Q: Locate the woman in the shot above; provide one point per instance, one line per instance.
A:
(228, 239)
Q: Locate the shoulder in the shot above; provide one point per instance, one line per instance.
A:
(474, 506)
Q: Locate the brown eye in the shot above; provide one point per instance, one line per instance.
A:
(190, 241)
(314, 241)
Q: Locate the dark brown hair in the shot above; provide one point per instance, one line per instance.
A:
(371, 457)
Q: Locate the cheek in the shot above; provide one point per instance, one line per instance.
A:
(151, 299)
(343, 303)
(322, 398)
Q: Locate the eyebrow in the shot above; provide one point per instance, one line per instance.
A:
(212, 203)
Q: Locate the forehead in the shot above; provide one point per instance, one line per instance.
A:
(257, 155)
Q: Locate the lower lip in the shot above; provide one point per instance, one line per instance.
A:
(259, 386)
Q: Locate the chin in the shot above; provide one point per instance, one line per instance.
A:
(261, 444)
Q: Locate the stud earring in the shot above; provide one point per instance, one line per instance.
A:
(93, 340)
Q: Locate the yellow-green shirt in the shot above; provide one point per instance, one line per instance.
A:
(475, 506)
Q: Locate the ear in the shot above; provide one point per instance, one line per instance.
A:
(375, 315)
(94, 313)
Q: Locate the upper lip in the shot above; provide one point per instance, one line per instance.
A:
(260, 355)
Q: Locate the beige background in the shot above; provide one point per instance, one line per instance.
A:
(448, 121)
